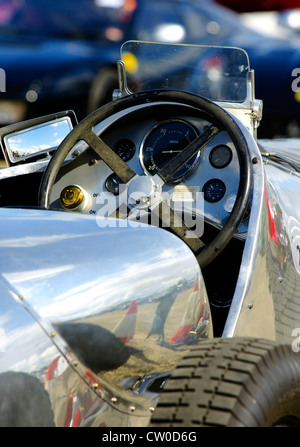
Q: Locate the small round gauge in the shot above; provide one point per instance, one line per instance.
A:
(214, 190)
(125, 148)
(164, 142)
(113, 183)
(220, 156)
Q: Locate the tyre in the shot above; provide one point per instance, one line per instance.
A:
(236, 382)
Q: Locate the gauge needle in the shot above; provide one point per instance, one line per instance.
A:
(169, 152)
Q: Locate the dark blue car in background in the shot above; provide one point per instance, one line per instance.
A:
(62, 55)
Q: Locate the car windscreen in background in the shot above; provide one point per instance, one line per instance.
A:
(79, 18)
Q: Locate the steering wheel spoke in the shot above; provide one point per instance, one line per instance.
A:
(116, 164)
(170, 219)
(176, 163)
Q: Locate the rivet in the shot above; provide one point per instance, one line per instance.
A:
(75, 363)
(95, 385)
(53, 334)
(114, 400)
(93, 161)
(151, 409)
(76, 153)
(132, 408)
(280, 279)
(254, 160)
(20, 297)
(250, 305)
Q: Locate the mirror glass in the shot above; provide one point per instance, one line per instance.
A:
(37, 140)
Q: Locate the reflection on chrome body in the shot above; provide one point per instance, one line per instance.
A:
(270, 267)
(110, 308)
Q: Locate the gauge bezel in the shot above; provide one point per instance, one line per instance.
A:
(133, 149)
(229, 151)
(206, 185)
(108, 189)
(156, 126)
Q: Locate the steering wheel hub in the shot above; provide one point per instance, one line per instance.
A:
(143, 192)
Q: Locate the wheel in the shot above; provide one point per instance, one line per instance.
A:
(233, 383)
(220, 120)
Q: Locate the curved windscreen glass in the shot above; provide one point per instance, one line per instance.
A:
(217, 73)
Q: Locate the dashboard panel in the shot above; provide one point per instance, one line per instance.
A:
(204, 188)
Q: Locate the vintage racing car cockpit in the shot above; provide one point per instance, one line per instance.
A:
(141, 136)
(160, 213)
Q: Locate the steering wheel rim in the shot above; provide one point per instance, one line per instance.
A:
(224, 119)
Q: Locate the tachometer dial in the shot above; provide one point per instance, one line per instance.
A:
(164, 142)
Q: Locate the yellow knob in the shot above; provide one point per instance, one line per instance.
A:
(71, 196)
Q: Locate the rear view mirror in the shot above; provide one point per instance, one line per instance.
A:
(34, 138)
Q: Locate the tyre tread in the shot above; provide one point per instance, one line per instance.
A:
(228, 382)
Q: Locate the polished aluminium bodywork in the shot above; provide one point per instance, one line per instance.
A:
(141, 285)
(74, 291)
(273, 262)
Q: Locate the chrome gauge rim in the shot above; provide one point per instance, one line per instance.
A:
(188, 169)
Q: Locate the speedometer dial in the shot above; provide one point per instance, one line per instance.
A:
(163, 143)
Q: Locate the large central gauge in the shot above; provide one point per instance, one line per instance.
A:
(164, 142)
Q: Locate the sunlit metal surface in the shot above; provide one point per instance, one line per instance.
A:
(110, 304)
(266, 301)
